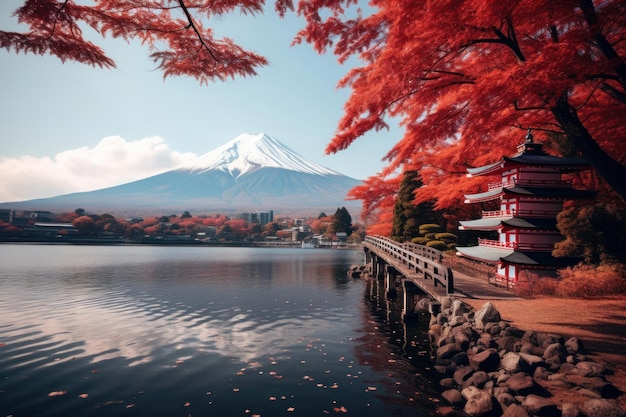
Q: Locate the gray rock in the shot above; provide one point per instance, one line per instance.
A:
(555, 350)
(486, 340)
(460, 359)
(453, 396)
(588, 369)
(574, 345)
(541, 373)
(447, 382)
(520, 383)
(492, 328)
(488, 313)
(539, 406)
(570, 410)
(602, 408)
(511, 362)
(532, 360)
(459, 308)
(477, 379)
(515, 410)
(479, 402)
(507, 343)
(487, 361)
(457, 321)
(505, 399)
(546, 339)
(462, 374)
(448, 351)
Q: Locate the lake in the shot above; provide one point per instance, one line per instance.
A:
(203, 331)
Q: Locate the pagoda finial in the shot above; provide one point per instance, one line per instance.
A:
(529, 136)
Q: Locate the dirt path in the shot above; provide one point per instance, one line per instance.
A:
(599, 322)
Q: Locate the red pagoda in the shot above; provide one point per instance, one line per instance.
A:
(531, 194)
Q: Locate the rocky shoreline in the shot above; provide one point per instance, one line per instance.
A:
(490, 368)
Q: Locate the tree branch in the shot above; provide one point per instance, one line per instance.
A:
(195, 28)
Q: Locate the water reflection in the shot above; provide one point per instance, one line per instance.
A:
(220, 332)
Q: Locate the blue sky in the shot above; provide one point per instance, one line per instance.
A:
(70, 127)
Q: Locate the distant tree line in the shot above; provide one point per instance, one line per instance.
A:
(216, 226)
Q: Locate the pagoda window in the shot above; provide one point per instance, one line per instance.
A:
(511, 272)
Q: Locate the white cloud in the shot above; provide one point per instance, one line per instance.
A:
(112, 161)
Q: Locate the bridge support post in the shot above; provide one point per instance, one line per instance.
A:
(390, 280)
(409, 290)
(449, 281)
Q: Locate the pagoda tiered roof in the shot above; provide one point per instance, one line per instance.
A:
(495, 223)
(531, 154)
(510, 256)
(555, 193)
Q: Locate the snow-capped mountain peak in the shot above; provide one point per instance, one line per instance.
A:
(248, 152)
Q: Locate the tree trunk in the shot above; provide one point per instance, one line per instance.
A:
(608, 168)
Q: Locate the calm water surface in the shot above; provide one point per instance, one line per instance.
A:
(196, 331)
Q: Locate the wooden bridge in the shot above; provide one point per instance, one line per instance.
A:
(423, 274)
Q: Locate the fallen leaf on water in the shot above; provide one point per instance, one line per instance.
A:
(290, 409)
(130, 405)
(187, 404)
(272, 398)
(83, 396)
(335, 386)
(341, 409)
(371, 388)
(57, 393)
(235, 389)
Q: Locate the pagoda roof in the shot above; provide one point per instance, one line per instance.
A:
(531, 155)
(494, 223)
(484, 253)
(492, 254)
(565, 193)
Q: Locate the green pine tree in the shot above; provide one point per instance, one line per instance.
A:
(342, 221)
(407, 217)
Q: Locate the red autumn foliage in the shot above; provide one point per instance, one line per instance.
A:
(465, 78)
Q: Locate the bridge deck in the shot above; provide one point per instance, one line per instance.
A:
(465, 286)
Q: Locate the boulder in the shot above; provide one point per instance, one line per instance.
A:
(453, 396)
(520, 383)
(574, 345)
(515, 410)
(478, 402)
(570, 410)
(477, 379)
(487, 360)
(602, 408)
(511, 362)
(488, 313)
(539, 406)
(448, 351)
(462, 374)
(590, 369)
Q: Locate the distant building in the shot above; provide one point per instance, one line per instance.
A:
(260, 217)
(7, 216)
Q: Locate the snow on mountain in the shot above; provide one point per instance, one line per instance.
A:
(251, 172)
(249, 152)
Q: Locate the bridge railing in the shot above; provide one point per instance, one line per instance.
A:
(424, 260)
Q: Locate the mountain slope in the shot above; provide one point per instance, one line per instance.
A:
(251, 172)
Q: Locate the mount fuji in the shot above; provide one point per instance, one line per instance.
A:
(251, 172)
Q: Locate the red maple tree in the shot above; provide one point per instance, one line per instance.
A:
(56, 27)
(465, 78)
